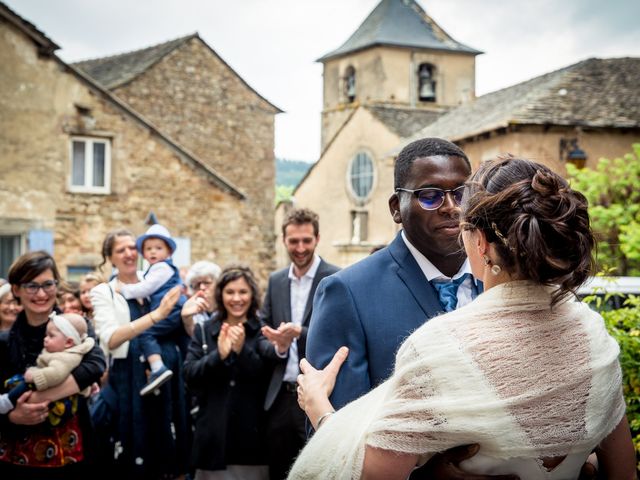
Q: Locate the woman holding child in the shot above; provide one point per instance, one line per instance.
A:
(30, 446)
(150, 431)
(525, 370)
(226, 372)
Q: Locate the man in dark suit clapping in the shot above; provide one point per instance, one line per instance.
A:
(286, 314)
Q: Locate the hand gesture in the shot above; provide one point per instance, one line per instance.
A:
(28, 413)
(283, 336)
(224, 342)
(237, 336)
(315, 386)
(167, 303)
(196, 304)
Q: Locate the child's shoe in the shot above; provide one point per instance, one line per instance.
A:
(156, 380)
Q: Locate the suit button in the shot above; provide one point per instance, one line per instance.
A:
(232, 383)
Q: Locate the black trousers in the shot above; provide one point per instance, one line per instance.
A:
(286, 434)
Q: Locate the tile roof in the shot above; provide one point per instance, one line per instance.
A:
(401, 23)
(404, 122)
(592, 93)
(116, 70)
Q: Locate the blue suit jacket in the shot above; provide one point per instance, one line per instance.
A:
(370, 307)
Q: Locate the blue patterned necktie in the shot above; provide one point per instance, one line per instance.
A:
(448, 292)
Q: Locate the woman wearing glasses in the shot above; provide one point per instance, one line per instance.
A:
(201, 279)
(525, 371)
(32, 448)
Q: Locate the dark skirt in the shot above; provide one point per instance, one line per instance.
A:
(151, 436)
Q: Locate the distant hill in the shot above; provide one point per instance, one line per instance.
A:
(290, 172)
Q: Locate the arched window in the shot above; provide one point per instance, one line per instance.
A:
(350, 83)
(426, 83)
(361, 176)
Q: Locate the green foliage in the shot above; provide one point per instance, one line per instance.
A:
(613, 191)
(283, 193)
(624, 325)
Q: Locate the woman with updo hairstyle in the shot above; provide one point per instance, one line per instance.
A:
(229, 376)
(525, 371)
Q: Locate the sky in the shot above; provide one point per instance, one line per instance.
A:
(273, 44)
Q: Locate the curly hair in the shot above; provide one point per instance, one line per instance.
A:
(300, 216)
(228, 275)
(538, 225)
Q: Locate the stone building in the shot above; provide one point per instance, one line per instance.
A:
(397, 73)
(83, 154)
(400, 77)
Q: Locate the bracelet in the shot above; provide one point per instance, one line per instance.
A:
(151, 317)
(323, 417)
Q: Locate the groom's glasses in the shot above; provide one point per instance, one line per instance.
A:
(433, 198)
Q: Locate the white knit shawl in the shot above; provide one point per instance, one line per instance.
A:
(505, 371)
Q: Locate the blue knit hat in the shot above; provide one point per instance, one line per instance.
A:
(156, 231)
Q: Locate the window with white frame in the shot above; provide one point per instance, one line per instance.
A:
(361, 176)
(90, 165)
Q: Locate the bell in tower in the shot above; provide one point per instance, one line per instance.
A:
(426, 83)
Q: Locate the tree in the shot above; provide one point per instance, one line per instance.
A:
(613, 191)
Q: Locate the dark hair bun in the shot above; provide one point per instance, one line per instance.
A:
(537, 223)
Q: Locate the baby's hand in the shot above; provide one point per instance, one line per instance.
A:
(28, 376)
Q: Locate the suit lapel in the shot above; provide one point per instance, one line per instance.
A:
(285, 296)
(320, 274)
(411, 275)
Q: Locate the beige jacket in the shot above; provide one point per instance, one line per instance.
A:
(54, 367)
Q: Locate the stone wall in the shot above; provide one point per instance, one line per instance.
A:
(39, 113)
(203, 104)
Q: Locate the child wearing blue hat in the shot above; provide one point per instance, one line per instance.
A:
(156, 246)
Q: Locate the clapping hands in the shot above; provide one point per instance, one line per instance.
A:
(283, 336)
(231, 339)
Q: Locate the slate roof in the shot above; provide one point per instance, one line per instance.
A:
(404, 122)
(116, 70)
(592, 93)
(400, 23)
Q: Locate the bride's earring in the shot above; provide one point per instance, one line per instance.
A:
(495, 269)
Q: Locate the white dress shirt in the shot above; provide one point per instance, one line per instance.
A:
(465, 290)
(299, 290)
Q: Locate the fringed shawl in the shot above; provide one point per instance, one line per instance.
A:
(506, 371)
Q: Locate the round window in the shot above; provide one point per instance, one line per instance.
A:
(361, 176)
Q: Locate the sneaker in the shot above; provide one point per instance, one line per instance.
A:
(156, 380)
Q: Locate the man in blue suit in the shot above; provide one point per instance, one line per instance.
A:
(373, 305)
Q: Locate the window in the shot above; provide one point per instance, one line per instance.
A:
(90, 165)
(350, 84)
(10, 249)
(426, 83)
(361, 176)
(359, 226)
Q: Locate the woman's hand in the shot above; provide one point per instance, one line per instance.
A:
(224, 342)
(196, 304)
(315, 386)
(28, 413)
(167, 303)
(237, 336)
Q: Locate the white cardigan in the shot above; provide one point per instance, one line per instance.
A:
(505, 371)
(110, 311)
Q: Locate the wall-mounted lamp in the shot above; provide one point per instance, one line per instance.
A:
(151, 219)
(570, 152)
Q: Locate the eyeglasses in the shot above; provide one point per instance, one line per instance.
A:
(433, 198)
(200, 284)
(48, 286)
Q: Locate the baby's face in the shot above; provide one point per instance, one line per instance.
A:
(54, 340)
(155, 250)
